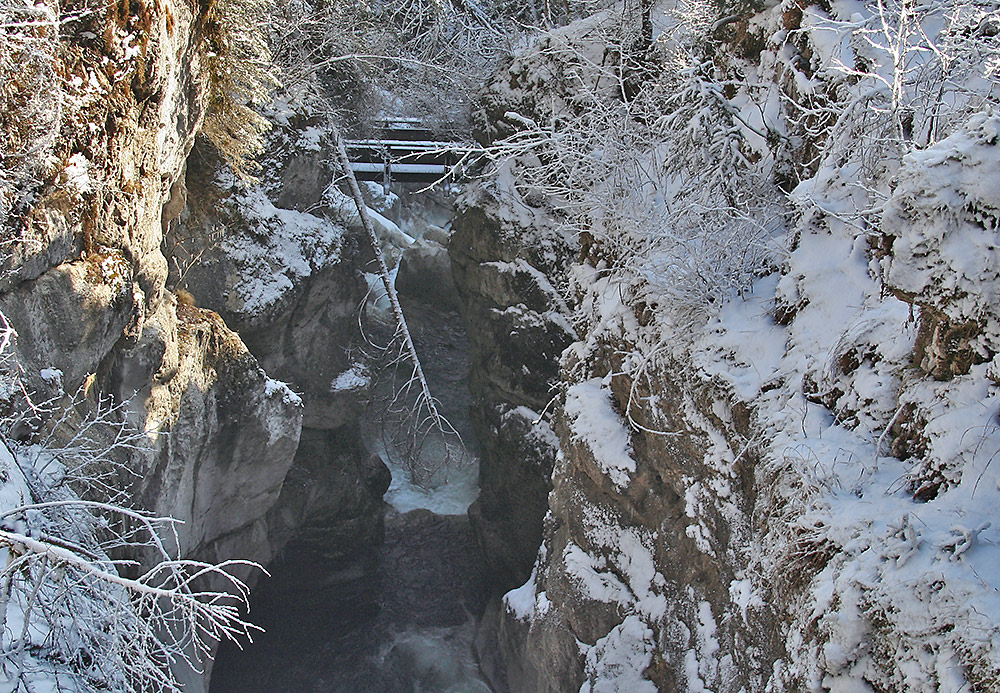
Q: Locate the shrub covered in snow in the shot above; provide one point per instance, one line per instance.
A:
(941, 228)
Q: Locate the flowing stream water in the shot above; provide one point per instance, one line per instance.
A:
(403, 619)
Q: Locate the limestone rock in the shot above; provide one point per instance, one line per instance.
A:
(286, 280)
(224, 434)
(72, 315)
(506, 277)
(338, 488)
(649, 565)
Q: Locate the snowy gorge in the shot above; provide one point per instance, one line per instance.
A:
(730, 279)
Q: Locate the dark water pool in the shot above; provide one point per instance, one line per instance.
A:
(404, 622)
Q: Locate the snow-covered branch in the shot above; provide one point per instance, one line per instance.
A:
(91, 589)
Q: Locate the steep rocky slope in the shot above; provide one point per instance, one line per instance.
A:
(773, 471)
(284, 269)
(612, 540)
(518, 325)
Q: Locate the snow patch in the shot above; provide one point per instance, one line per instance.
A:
(77, 173)
(276, 388)
(53, 377)
(354, 378)
(615, 663)
(284, 247)
(593, 421)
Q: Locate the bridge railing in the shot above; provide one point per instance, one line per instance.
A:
(397, 157)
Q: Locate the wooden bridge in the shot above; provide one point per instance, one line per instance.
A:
(406, 153)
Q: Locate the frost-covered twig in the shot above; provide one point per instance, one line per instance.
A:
(91, 589)
(79, 606)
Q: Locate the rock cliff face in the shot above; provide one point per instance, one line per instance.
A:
(84, 288)
(223, 433)
(284, 272)
(777, 489)
(86, 293)
(507, 269)
(84, 266)
(636, 575)
(518, 325)
(84, 284)
(636, 542)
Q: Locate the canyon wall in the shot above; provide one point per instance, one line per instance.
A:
(241, 458)
(86, 293)
(626, 541)
(518, 325)
(772, 473)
